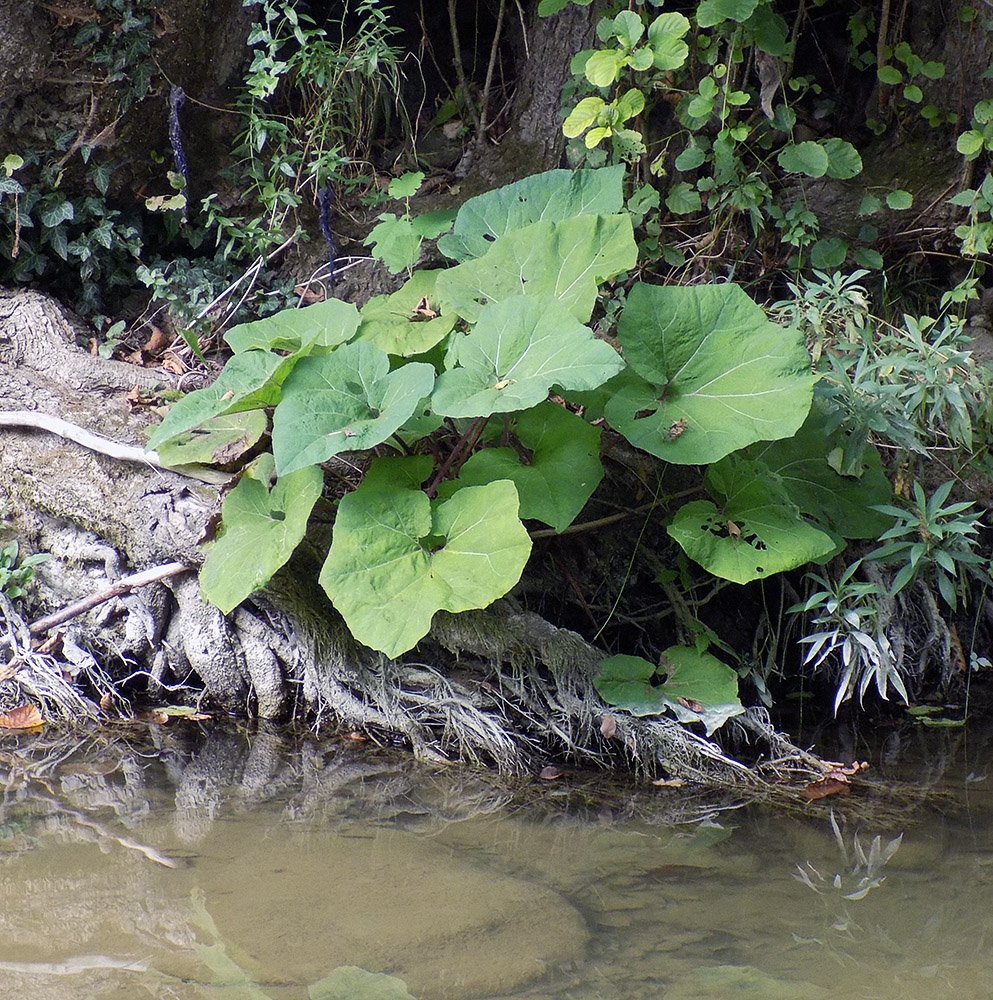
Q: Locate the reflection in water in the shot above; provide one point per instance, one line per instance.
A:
(233, 866)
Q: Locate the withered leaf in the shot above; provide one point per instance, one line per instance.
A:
(608, 726)
(692, 704)
(830, 785)
(550, 772)
(22, 717)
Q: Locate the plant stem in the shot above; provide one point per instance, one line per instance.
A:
(463, 83)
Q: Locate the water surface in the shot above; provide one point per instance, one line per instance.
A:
(238, 866)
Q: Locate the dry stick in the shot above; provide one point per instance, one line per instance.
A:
(460, 78)
(484, 100)
(124, 586)
(113, 449)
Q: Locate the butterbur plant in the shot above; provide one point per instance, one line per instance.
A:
(459, 384)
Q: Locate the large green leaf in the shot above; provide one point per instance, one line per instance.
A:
(260, 530)
(553, 196)
(557, 474)
(715, 374)
(707, 687)
(348, 400)
(249, 381)
(217, 441)
(406, 322)
(841, 503)
(323, 324)
(565, 259)
(711, 12)
(753, 531)
(396, 558)
(518, 350)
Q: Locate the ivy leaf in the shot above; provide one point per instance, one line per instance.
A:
(323, 324)
(565, 259)
(517, 351)
(396, 558)
(401, 324)
(249, 381)
(753, 532)
(553, 196)
(809, 158)
(260, 531)
(561, 473)
(715, 374)
(711, 12)
(843, 504)
(345, 401)
(707, 687)
(217, 441)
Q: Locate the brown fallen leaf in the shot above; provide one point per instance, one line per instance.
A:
(692, 704)
(155, 716)
(356, 737)
(669, 783)
(831, 785)
(22, 717)
(157, 342)
(106, 701)
(608, 726)
(550, 772)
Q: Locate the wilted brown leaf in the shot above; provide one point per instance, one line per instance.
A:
(155, 716)
(356, 737)
(157, 342)
(834, 784)
(22, 717)
(551, 772)
(692, 704)
(106, 701)
(608, 726)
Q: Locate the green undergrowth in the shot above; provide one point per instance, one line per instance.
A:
(480, 401)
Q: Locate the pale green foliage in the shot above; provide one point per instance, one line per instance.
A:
(712, 373)
(693, 685)
(844, 614)
(397, 557)
(262, 527)
(16, 571)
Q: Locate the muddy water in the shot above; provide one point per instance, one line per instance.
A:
(238, 867)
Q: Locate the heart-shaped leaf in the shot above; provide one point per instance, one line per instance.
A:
(344, 401)
(566, 260)
(715, 374)
(553, 196)
(695, 686)
(561, 472)
(518, 350)
(259, 533)
(754, 532)
(323, 324)
(406, 322)
(217, 441)
(396, 558)
(249, 381)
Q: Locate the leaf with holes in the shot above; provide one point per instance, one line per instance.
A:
(843, 504)
(712, 374)
(407, 322)
(553, 196)
(396, 558)
(565, 259)
(261, 528)
(752, 531)
(695, 686)
(348, 400)
(216, 441)
(559, 473)
(323, 324)
(517, 351)
(249, 381)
